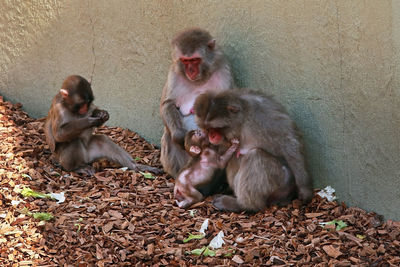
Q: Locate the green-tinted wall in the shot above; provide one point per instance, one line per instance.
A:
(333, 64)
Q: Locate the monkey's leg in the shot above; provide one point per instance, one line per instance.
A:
(194, 197)
(287, 188)
(100, 146)
(252, 184)
(227, 203)
(294, 155)
(173, 157)
(74, 157)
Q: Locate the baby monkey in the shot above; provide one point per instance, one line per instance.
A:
(206, 160)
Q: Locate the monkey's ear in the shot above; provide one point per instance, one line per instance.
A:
(195, 149)
(211, 44)
(233, 109)
(64, 93)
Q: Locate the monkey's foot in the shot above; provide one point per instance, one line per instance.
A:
(305, 194)
(184, 203)
(226, 203)
(55, 162)
(145, 168)
(87, 170)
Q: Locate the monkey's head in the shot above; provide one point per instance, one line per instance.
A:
(219, 115)
(76, 94)
(195, 54)
(194, 140)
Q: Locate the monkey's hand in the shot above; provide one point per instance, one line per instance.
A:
(179, 137)
(235, 141)
(235, 144)
(101, 114)
(99, 117)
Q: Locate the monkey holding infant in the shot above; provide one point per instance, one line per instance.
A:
(270, 167)
(206, 160)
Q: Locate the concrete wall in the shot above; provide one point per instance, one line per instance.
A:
(333, 64)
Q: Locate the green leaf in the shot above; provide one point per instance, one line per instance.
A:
(26, 176)
(55, 173)
(197, 251)
(137, 159)
(209, 252)
(230, 254)
(147, 175)
(27, 192)
(78, 225)
(360, 236)
(331, 222)
(205, 251)
(43, 216)
(193, 237)
(26, 211)
(339, 224)
(192, 212)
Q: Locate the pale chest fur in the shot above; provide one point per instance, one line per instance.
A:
(187, 92)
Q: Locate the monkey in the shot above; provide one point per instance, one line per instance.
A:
(69, 128)
(200, 170)
(198, 66)
(270, 167)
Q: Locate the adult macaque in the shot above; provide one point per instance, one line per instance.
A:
(269, 141)
(69, 128)
(202, 168)
(198, 66)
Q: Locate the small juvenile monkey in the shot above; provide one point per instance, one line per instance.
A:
(198, 66)
(200, 170)
(69, 128)
(270, 165)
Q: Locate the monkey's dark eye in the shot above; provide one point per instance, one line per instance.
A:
(77, 107)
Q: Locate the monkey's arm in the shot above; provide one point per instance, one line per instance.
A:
(71, 130)
(66, 127)
(101, 114)
(223, 159)
(173, 120)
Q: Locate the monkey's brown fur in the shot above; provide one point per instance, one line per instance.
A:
(202, 168)
(69, 128)
(180, 92)
(269, 140)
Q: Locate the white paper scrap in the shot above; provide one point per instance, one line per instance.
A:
(204, 227)
(328, 193)
(217, 241)
(58, 196)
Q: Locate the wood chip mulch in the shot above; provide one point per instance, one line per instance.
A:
(121, 218)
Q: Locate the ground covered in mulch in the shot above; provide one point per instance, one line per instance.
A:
(120, 217)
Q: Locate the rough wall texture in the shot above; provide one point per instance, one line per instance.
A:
(333, 64)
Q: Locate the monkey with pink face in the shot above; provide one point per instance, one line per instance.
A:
(69, 128)
(270, 167)
(198, 66)
(206, 160)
